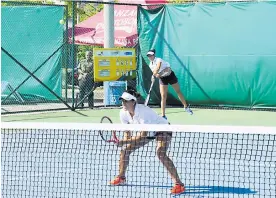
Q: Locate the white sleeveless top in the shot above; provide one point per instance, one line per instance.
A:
(153, 64)
(142, 115)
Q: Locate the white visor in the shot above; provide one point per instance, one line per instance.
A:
(127, 96)
(150, 53)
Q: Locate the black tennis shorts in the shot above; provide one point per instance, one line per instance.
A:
(170, 79)
(160, 133)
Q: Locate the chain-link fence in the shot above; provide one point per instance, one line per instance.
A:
(34, 49)
(42, 69)
(44, 54)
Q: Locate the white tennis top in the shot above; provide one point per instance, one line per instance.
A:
(153, 64)
(142, 115)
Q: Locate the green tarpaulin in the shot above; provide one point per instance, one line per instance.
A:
(222, 53)
(31, 34)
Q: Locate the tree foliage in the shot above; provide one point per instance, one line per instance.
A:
(84, 10)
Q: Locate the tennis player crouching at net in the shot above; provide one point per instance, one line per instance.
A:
(133, 113)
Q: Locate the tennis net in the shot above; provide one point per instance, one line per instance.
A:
(71, 160)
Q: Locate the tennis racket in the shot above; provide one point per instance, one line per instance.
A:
(107, 135)
(148, 96)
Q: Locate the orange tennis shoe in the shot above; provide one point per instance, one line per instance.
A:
(178, 189)
(118, 181)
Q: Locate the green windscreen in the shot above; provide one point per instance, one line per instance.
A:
(222, 53)
(31, 34)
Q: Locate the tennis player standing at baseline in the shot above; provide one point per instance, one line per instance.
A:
(162, 70)
(133, 113)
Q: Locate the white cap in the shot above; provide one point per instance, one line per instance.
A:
(127, 96)
(150, 53)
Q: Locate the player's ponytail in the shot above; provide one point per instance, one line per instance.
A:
(133, 92)
(137, 95)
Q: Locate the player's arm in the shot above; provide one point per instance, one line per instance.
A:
(127, 135)
(132, 140)
(124, 120)
(156, 69)
(143, 134)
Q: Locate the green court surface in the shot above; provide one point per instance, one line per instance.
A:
(175, 116)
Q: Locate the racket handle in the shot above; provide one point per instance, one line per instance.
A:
(152, 78)
(115, 139)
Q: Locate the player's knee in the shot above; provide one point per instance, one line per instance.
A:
(126, 152)
(164, 96)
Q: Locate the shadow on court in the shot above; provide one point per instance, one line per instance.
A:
(202, 190)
